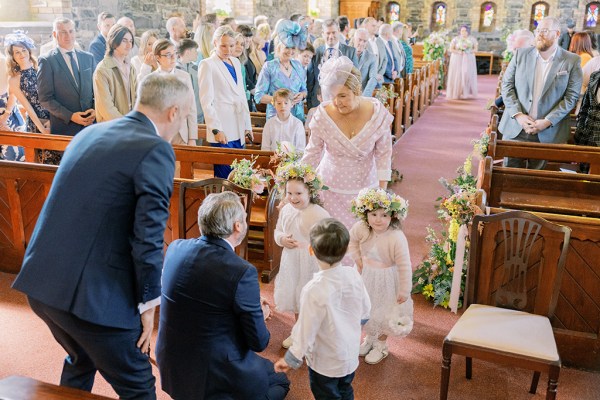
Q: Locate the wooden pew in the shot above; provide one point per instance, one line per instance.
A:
(534, 190)
(556, 153)
(25, 388)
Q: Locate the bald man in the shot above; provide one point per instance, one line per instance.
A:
(176, 29)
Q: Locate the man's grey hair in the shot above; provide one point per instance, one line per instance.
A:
(260, 19)
(526, 34)
(554, 21)
(61, 21)
(224, 30)
(397, 25)
(159, 91)
(331, 22)
(218, 214)
(172, 21)
(385, 29)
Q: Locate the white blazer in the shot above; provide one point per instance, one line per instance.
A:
(223, 101)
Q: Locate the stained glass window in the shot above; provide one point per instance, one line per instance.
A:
(393, 11)
(487, 21)
(538, 11)
(438, 16)
(591, 15)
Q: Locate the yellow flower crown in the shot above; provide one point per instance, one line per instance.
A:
(374, 199)
(299, 171)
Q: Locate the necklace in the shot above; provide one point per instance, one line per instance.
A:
(286, 67)
(355, 113)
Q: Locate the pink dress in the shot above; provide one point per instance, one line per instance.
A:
(349, 165)
(462, 70)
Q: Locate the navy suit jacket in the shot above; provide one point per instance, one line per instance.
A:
(211, 324)
(60, 94)
(98, 48)
(96, 250)
(312, 73)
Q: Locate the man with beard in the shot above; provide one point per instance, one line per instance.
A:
(540, 88)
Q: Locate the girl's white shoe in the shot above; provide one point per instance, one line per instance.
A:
(366, 345)
(377, 353)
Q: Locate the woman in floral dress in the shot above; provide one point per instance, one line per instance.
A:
(462, 70)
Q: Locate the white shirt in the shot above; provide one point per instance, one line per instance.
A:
(67, 59)
(542, 67)
(373, 45)
(334, 53)
(277, 131)
(327, 332)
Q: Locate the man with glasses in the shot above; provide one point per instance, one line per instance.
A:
(540, 88)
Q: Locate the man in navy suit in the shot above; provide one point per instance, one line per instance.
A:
(65, 82)
(332, 48)
(98, 45)
(395, 62)
(211, 321)
(93, 266)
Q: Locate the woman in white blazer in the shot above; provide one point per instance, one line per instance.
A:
(223, 97)
(166, 57)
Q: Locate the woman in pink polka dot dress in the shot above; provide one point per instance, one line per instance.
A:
(350, 142)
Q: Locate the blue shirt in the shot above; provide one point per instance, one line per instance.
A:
(231, 71)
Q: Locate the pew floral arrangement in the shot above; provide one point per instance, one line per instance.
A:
(433, 277)
(385, 93)
(245, 174)
(480, 146)
(434, 48)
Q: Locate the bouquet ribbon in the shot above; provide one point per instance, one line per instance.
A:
(459, 259)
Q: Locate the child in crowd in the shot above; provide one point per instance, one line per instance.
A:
(301, 186)
(332, 307)
(380, 251)
(305, 56)
(284, 127)
(187, 54)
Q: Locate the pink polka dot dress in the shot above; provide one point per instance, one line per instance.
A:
(349, 165)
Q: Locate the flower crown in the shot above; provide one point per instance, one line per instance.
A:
(245, 175)
(299, 171)
(374, 199)
(20, 38)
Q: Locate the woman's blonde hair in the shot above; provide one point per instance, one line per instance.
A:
(263, 31)
(12, 65)
(144, 42)
(354, 81)
(203, 37)
(243, 57)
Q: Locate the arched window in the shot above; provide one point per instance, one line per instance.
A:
(591, 16)
(487, 20)
(539, 10)
(392, 11)
(438, 16)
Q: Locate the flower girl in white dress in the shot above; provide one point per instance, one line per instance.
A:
(301, 186)
(380, 251)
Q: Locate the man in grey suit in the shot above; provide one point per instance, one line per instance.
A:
(540, 88)
(395, 61)
(377, 47)
(65, 82)
(367, 63)
(332, 48)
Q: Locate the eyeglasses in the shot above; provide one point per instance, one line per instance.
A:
(168, 55)
(544, 31)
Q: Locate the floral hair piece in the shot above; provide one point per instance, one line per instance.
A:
(291, 34)
(302, 172)
(370, 199)
(285, 153)
(19, 38)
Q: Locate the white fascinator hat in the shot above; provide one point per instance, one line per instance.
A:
(335, 72)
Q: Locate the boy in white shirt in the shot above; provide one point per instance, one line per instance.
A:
(333, 305)
(283, 127)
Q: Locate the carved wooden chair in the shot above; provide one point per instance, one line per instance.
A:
(191, 195)
(515, 268)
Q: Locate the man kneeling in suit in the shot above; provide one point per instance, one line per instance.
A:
(211, 321)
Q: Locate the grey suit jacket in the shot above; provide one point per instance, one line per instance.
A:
(559, 95)
(367, 65)
(382, 57)
(60, 94)
(312, 74)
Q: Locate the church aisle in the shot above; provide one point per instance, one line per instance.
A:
(434, 147)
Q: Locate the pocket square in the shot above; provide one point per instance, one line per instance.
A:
(562, 73)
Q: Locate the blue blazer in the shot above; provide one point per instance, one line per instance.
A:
(96, 250)
(211, 324)
(60, 94)
(98, 48)
(312, 73)
(389, 68)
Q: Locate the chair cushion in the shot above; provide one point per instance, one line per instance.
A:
(506, 330)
